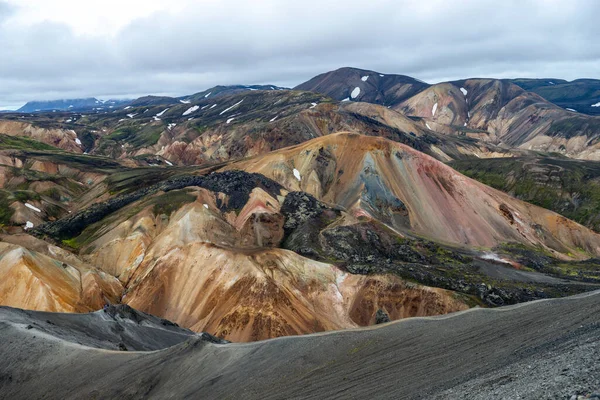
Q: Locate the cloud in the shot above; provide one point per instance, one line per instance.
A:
(199, 44)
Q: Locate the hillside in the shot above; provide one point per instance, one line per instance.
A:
(581, 95)
(568, 187)
(406, 189)
(480, 354)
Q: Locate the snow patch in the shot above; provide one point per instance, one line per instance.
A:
(171, 126)
(274, 118)
(127, 108)
(464, 91)
(570, 109)
(169, 163)
(230, 119)
(229, 108)
(155, 118)
(346, 99)
(355, 92)
(69, 120)
(160, 114)
(381, 75)
(297, 174)
(596, 105)
(78, 141)
(364, 78)
(433, 109)
(313, 105)
(213, 106)
(494, 257)
(552, 83)
(131, 115)
(190, 110)
(428, 127)
(32, 207)
(28, 225)
(203, 107)
(185, 101)
(205, 206)
(207, 94)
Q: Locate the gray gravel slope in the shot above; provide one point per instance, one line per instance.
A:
(537, 350)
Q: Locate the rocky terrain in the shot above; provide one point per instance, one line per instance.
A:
(481, 354)
(153, 240)
(320, 236)
(248, 213)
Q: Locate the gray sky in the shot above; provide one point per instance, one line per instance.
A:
(125, 48)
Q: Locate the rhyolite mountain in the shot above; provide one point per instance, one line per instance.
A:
(254, 212)
(319, 236)
(500, 112)
(353, 84)
(490, 110)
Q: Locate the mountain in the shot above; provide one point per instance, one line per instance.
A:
(254, 214)
(353, 84)
(146, 101)
(226, 91)
(57, 136)
(172, 247)
(489, 110)
(250, 123)
(580, 95)
(479, 354)
(412, 192)
(502, 113)
(317, 236)
(69, 105)
(568, 187)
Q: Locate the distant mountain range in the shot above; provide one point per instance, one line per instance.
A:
(70, 105)
(93, 104)
(580, 95)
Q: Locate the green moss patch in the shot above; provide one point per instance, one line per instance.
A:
(22, 143)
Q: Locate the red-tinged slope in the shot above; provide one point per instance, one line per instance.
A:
(412, 191)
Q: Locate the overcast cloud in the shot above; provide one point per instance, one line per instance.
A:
(64, 49)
